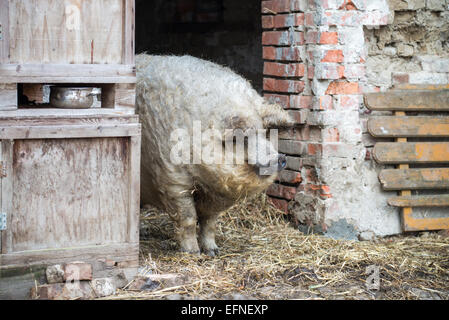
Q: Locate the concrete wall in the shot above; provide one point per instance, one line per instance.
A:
(234, 42)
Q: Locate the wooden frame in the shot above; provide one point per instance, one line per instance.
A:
(403, 152)
(17, 269)
(51, 73)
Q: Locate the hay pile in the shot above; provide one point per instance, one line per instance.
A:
(264, 257)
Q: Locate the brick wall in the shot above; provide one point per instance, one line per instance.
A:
(315, 66)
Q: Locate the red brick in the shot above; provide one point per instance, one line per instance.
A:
(282, 100)
(311, 37)
(326, 103)
(309, 19)
(282, 38)
(275, 38)
(298, 134)
(325, 192)
(341, 87)
(282, 53)
(281, 191)
(267, 22)
(276, 6)
(280, 85)
(328, 38)
(77, 271)
(330, 71)
(284, 70)
(289, 176)
(310, 72)
(269, 53)
(288, 54)
(301, 102)
(299, 117)
(288, 20)
(314, 149)
(333, 56)
(280, 204)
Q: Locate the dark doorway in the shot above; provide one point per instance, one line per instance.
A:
(227, 32)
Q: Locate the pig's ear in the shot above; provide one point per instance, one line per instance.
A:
(274, 116)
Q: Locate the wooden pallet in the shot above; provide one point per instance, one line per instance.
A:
(406, 122)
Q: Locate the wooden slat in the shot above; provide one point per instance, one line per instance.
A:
(7, 192)
(409, 100)
(412, 224)
(70, 131)
(8, 96)
(54, 112)
(414, 179)
(408, 86)
(4, 22)
(420, 201)
(67, 73)
(385, 126)
(419, 152)
(128, 31)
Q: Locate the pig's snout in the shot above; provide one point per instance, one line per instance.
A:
(277, 164)
(282, 162)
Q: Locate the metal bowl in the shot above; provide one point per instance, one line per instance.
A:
(72, 98)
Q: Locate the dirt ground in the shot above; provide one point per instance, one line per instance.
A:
(263, 256)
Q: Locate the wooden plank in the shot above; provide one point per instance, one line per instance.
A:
(67, 73)
(406, 212)
(408, 86)
(411, 152)
(420, 201)
(128, 31)
(69, 131)
(114, 251)
(4, 24)
(408, 100)
(8, 96)
(412, 224)
(72, 32)
(384, 126)
(69, 192)
(7, 193)
(134, 189)
(414, 179)
(92, 120)
(54, 112)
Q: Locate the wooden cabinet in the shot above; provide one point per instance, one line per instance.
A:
(70, 178)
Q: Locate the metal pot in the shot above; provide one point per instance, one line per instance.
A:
(72, 98)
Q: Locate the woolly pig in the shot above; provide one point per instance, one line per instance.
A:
(175, 92)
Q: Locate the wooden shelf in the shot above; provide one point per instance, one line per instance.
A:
(55, 112)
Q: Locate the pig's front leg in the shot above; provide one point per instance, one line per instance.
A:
(207, 234)
(185, 226)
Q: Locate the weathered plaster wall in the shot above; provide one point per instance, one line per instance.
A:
(414, 48)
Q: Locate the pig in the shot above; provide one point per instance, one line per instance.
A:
(172, 93)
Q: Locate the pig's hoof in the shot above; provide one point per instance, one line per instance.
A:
(211, 252)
